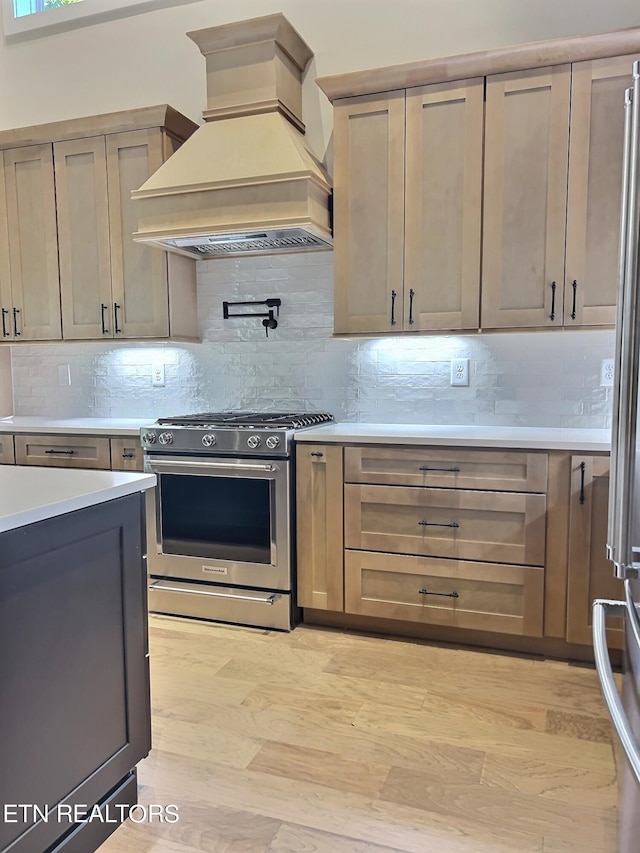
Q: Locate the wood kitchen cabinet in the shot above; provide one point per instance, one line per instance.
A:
(126, 454)
(7, 453)
(495, 183)
(108, 286)
(31, 291)
(68, 451)
(531, 276)
(319, 509)
(590, 574)
(446, 537)
(408, 182)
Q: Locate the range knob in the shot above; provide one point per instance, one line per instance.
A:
(149, 438)
(165, 438)
(208, 440)
(253, 441)
(273, 441)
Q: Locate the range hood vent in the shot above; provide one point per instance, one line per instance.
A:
(245, 183)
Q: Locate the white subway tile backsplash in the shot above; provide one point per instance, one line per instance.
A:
(516, 379)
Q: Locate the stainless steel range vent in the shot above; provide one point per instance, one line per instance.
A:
(246, 244)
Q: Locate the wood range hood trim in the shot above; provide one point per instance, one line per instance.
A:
(247, 172)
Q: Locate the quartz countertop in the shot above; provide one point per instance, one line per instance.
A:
(525, 438)
(74, 426)
(29, 494)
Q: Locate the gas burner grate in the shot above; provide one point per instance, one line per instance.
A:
(250, 420)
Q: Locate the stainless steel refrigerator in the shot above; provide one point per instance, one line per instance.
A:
(623, 548)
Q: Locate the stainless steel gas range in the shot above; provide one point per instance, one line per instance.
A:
(221, 523)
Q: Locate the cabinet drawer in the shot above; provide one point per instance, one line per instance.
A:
(69, 451)
(451, 467)
(488, 597)
(470, 525)
(7, 455)
(126, 454)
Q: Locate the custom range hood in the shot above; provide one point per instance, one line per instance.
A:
(245, 183)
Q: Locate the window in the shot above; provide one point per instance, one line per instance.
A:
(30, 7)
(25, 18)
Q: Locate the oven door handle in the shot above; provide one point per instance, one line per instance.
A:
(168, 466)
(270, 599)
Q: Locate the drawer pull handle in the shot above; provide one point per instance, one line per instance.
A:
(454, 470)
(438, 524)
(316, 453)
(583, 466)
(127, 455)
(453, 594)
(61, 452)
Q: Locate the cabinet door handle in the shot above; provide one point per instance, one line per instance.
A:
(393, 307)
(454, 470)
(103, 308)
(128, 455)
(438, 524)
(583, 466)
(60, 452)
(552, 316)
(16, 311)
(5, 334)
(412, 293)
(316, 453)
(116, 328)
(574, 285)
(453, 594)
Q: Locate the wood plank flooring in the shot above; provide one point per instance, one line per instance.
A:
(321, 741)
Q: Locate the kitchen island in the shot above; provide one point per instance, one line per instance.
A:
(75, 713)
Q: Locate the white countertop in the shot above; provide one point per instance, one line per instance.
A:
(29, 494)
(526, 438)
(75, 426)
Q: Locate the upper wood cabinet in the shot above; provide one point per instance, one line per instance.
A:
(408, 182)
(595, 178)
(550, 253)
(82, 224)
(525, 190)
(31, 301)
(489, 197)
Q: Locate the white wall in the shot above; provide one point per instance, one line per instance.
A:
(539, 378)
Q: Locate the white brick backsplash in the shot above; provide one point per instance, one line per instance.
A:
(516, 379)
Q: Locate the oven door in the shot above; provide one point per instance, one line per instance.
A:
(220, 520)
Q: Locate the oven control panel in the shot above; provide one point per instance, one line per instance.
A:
(217, 441)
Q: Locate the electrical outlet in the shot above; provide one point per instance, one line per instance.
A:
(607, 370)
(460, 371)
(157, 375)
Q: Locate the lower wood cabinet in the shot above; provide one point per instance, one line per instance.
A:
(590, 574)
(7, 454)
(72, 451)
(126, 454)
(457, 593)
(319, 524)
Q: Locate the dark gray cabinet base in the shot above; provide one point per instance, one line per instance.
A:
(74, 676)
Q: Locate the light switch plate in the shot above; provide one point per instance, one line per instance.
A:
(460, 371)
(607, 370)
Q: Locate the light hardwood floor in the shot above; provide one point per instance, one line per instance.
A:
(325, 741)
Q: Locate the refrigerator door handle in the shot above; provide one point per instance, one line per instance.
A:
(601, 609)
(624, 432)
